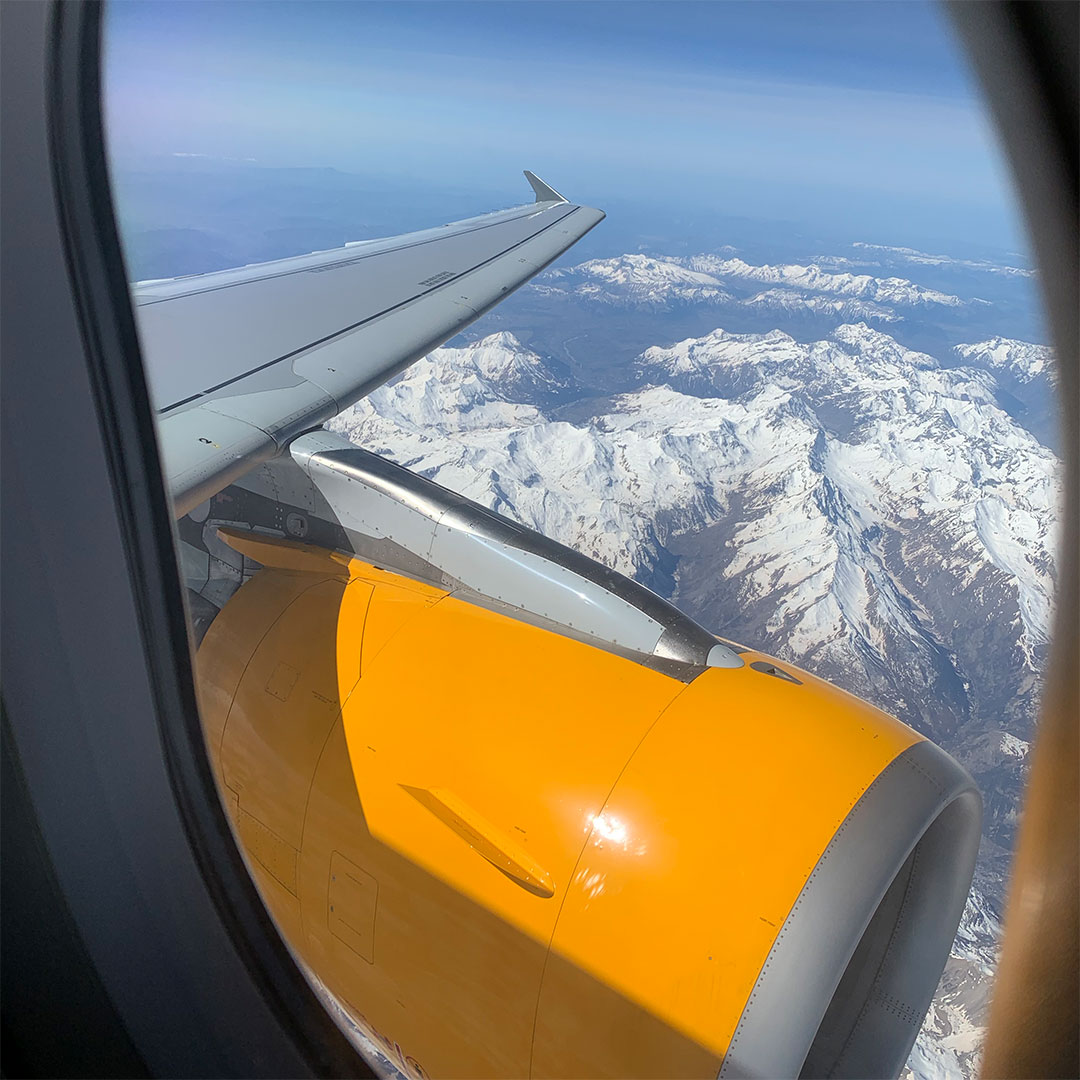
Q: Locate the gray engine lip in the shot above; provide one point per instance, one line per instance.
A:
(896, 814)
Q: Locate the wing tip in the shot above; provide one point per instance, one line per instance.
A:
(544, 192)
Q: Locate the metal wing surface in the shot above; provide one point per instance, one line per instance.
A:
(241, 361)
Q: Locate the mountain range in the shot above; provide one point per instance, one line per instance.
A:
(645, 280)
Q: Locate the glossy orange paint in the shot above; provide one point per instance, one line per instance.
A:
(696, 860)
(510, 852)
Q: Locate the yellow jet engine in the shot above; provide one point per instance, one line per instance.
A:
(521, 817)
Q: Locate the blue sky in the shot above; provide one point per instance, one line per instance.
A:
(858, 119)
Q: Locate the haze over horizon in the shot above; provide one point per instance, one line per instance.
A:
(856, 121)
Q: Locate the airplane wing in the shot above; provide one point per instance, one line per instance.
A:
(241, 361)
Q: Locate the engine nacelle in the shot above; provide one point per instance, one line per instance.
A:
(509, 851)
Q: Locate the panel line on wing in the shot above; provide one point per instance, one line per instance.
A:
(331, 265)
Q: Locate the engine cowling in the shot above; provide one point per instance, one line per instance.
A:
(506, 851)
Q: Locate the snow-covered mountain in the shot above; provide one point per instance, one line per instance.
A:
(847, 503)
(644, 281)
(797, 302)
(1026, 377)
(1020, 359)
(890, 290)
(903, 505)
(638, 281)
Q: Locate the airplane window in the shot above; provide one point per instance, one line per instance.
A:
(621, 593)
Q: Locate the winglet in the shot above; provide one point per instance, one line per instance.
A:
(544, 193)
